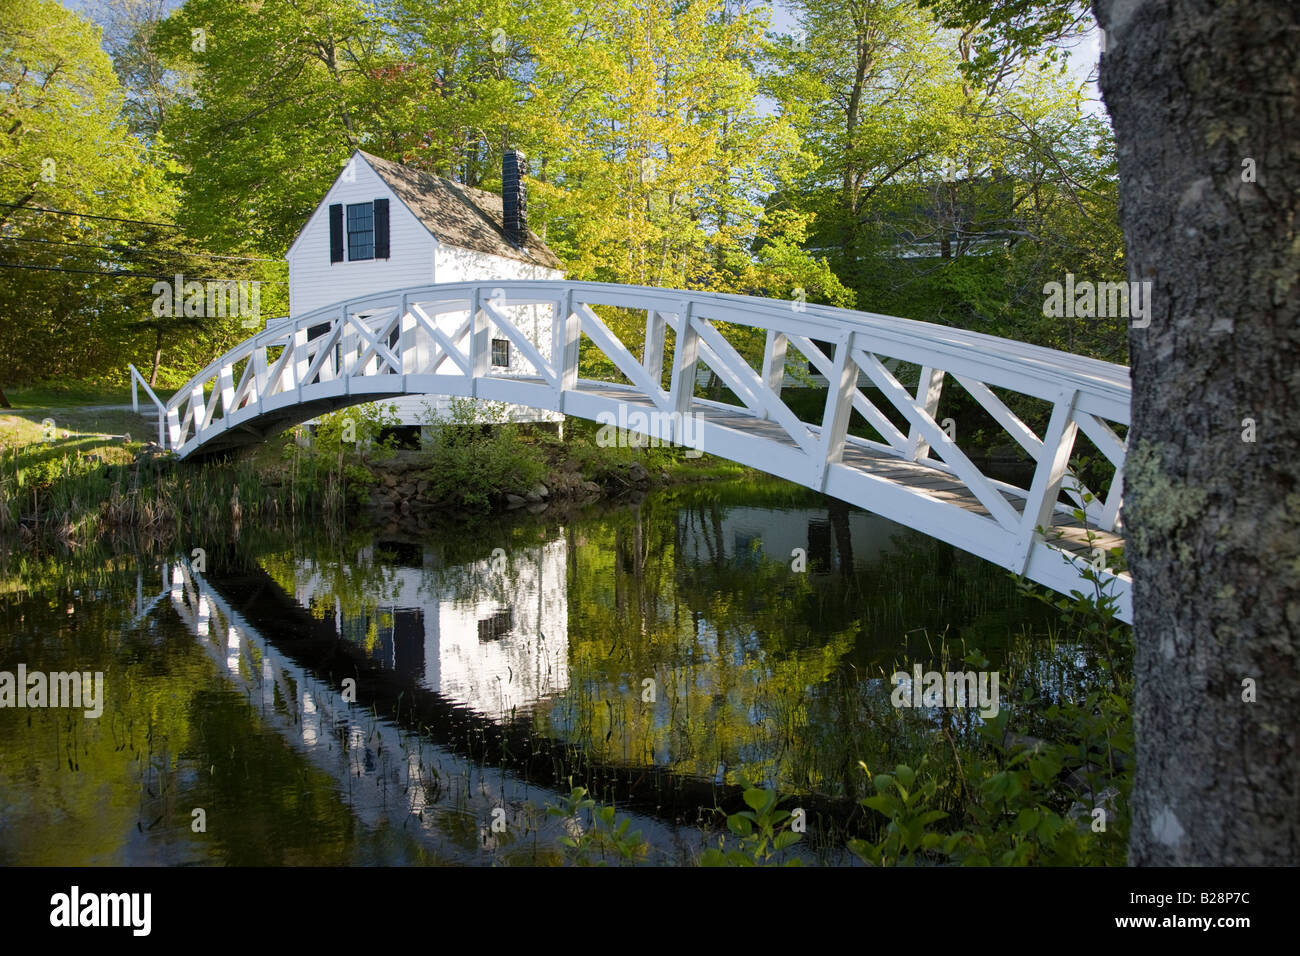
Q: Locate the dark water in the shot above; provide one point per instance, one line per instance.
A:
(390, 699)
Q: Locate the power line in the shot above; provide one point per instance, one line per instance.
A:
(146, 252)
(129, 275)
(87, 215)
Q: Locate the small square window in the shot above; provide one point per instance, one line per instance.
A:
(501, 353)
(361, 231)
(496, 626)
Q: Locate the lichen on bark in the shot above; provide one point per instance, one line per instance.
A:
(1157, 505)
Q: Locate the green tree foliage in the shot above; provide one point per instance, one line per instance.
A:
(280, 100)
(945, 193)
(651, 154)
(152, 87)
(64, 146)
(473, 464)
(88, 222)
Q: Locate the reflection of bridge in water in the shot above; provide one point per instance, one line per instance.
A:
(438, 784)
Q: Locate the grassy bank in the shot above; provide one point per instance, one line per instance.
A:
(67, 394)
(71, 473)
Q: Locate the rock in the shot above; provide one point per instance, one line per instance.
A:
(514, 501)
(404, 460)
(537, 507)
(151, 451)
(637, 472)
(390, 481)
(591, 488)
(663, 476)
(422, 488)
(536, 493)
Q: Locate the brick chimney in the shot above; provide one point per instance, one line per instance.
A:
(514, 197)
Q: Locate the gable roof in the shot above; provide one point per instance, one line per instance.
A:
(458, 215)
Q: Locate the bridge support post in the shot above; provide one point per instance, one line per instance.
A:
(928, 388)
(652, 353)
(258, 358)
(408, 343)
(196, 409)
(300, 362)
(347, 349)
(480, 345)
(174, 428)
(774, 360)
(686, 355)
(842, 384)
(567, 336)
(1053, 465)
(226, 384)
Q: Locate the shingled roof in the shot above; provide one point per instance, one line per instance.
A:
(458, 215)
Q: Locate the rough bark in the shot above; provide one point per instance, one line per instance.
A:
(1195, 88)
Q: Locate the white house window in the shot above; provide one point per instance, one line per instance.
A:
(496, 626)
(501, 353)
(361, 231)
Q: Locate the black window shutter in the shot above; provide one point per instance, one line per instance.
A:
(336, 232)
(381, 228)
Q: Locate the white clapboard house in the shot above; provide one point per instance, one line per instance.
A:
(384, 226)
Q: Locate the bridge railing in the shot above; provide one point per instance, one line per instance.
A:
(138, 382)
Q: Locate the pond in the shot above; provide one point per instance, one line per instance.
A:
(391, 697)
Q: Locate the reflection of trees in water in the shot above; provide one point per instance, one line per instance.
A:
(725, 681)
(780, 673)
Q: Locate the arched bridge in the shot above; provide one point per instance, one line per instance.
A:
(437, 339)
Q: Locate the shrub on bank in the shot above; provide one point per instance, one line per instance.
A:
(473, 463)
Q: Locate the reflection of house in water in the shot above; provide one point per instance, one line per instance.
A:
(495, 640)
(833, 538)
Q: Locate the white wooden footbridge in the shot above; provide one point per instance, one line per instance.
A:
(402, 343)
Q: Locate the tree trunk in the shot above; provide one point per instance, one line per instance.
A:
(1204, 96)
(4, 400)
(157, 359)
